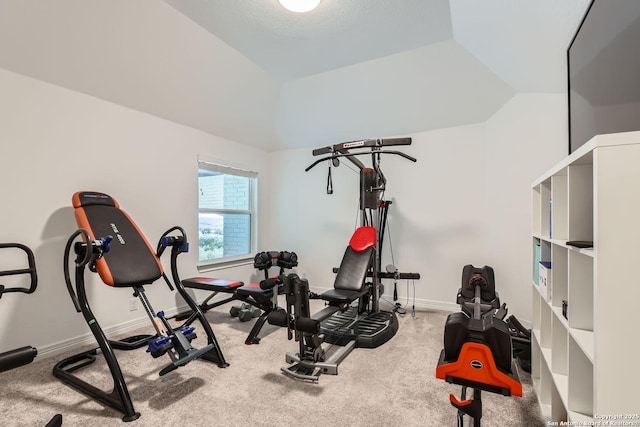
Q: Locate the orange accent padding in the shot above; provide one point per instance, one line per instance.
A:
(484, 372)
(83, 222)
(75, 200)
(363, 238)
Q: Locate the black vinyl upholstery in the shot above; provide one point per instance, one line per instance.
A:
(488, 292)
(353, 269)
(130, 260)
(350, 280)
(489, 330)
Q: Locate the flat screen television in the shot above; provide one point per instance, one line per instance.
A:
(604, 71)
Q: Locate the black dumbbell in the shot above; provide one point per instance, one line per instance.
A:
(244, 312)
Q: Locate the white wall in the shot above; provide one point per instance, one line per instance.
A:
(433, 87)
(436, 220)
(527, 136)
(466, 201)
(143, 54)
(55, 142)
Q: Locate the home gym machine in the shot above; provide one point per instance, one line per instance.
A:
(342, 323)
(113, 246)
(477, 350)
(24, 355)
(258, 299)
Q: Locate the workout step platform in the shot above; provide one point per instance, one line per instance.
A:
(368, 330)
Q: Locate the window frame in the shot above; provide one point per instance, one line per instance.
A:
(234, 170)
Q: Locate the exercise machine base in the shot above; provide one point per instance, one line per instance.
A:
(344, 331)
(308, 370)
(368, 330)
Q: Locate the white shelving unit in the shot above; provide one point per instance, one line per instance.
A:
(586, 366)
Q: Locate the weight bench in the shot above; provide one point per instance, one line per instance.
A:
(477, 345)
(215, 286)
(113, 246)
(262, 296)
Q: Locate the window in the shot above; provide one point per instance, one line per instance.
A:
(226, 213)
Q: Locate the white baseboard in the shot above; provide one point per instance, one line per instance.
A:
(88, 339)
(61, 347)
(422, 304)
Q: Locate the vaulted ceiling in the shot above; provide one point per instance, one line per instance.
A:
(364, 68)
(522, 41)
(253, 72)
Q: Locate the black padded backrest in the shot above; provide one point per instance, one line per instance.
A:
(353, 269)
(470, 274)
(131, 260)
(357, 260)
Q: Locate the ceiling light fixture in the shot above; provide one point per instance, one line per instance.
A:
(300, 6)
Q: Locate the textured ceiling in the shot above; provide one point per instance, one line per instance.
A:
(338, 33)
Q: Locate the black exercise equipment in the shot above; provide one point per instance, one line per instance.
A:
(256, 298)
(490, 302)
(343, 323)
(483, 279)
(477, 350)
(128, 261)
(24, 355)
(374, 209)
(244, 312)
(339, 323)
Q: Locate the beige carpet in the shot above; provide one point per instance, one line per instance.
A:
(394, 384)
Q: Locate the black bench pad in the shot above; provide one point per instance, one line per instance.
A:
(254, 290)
(210, 284)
